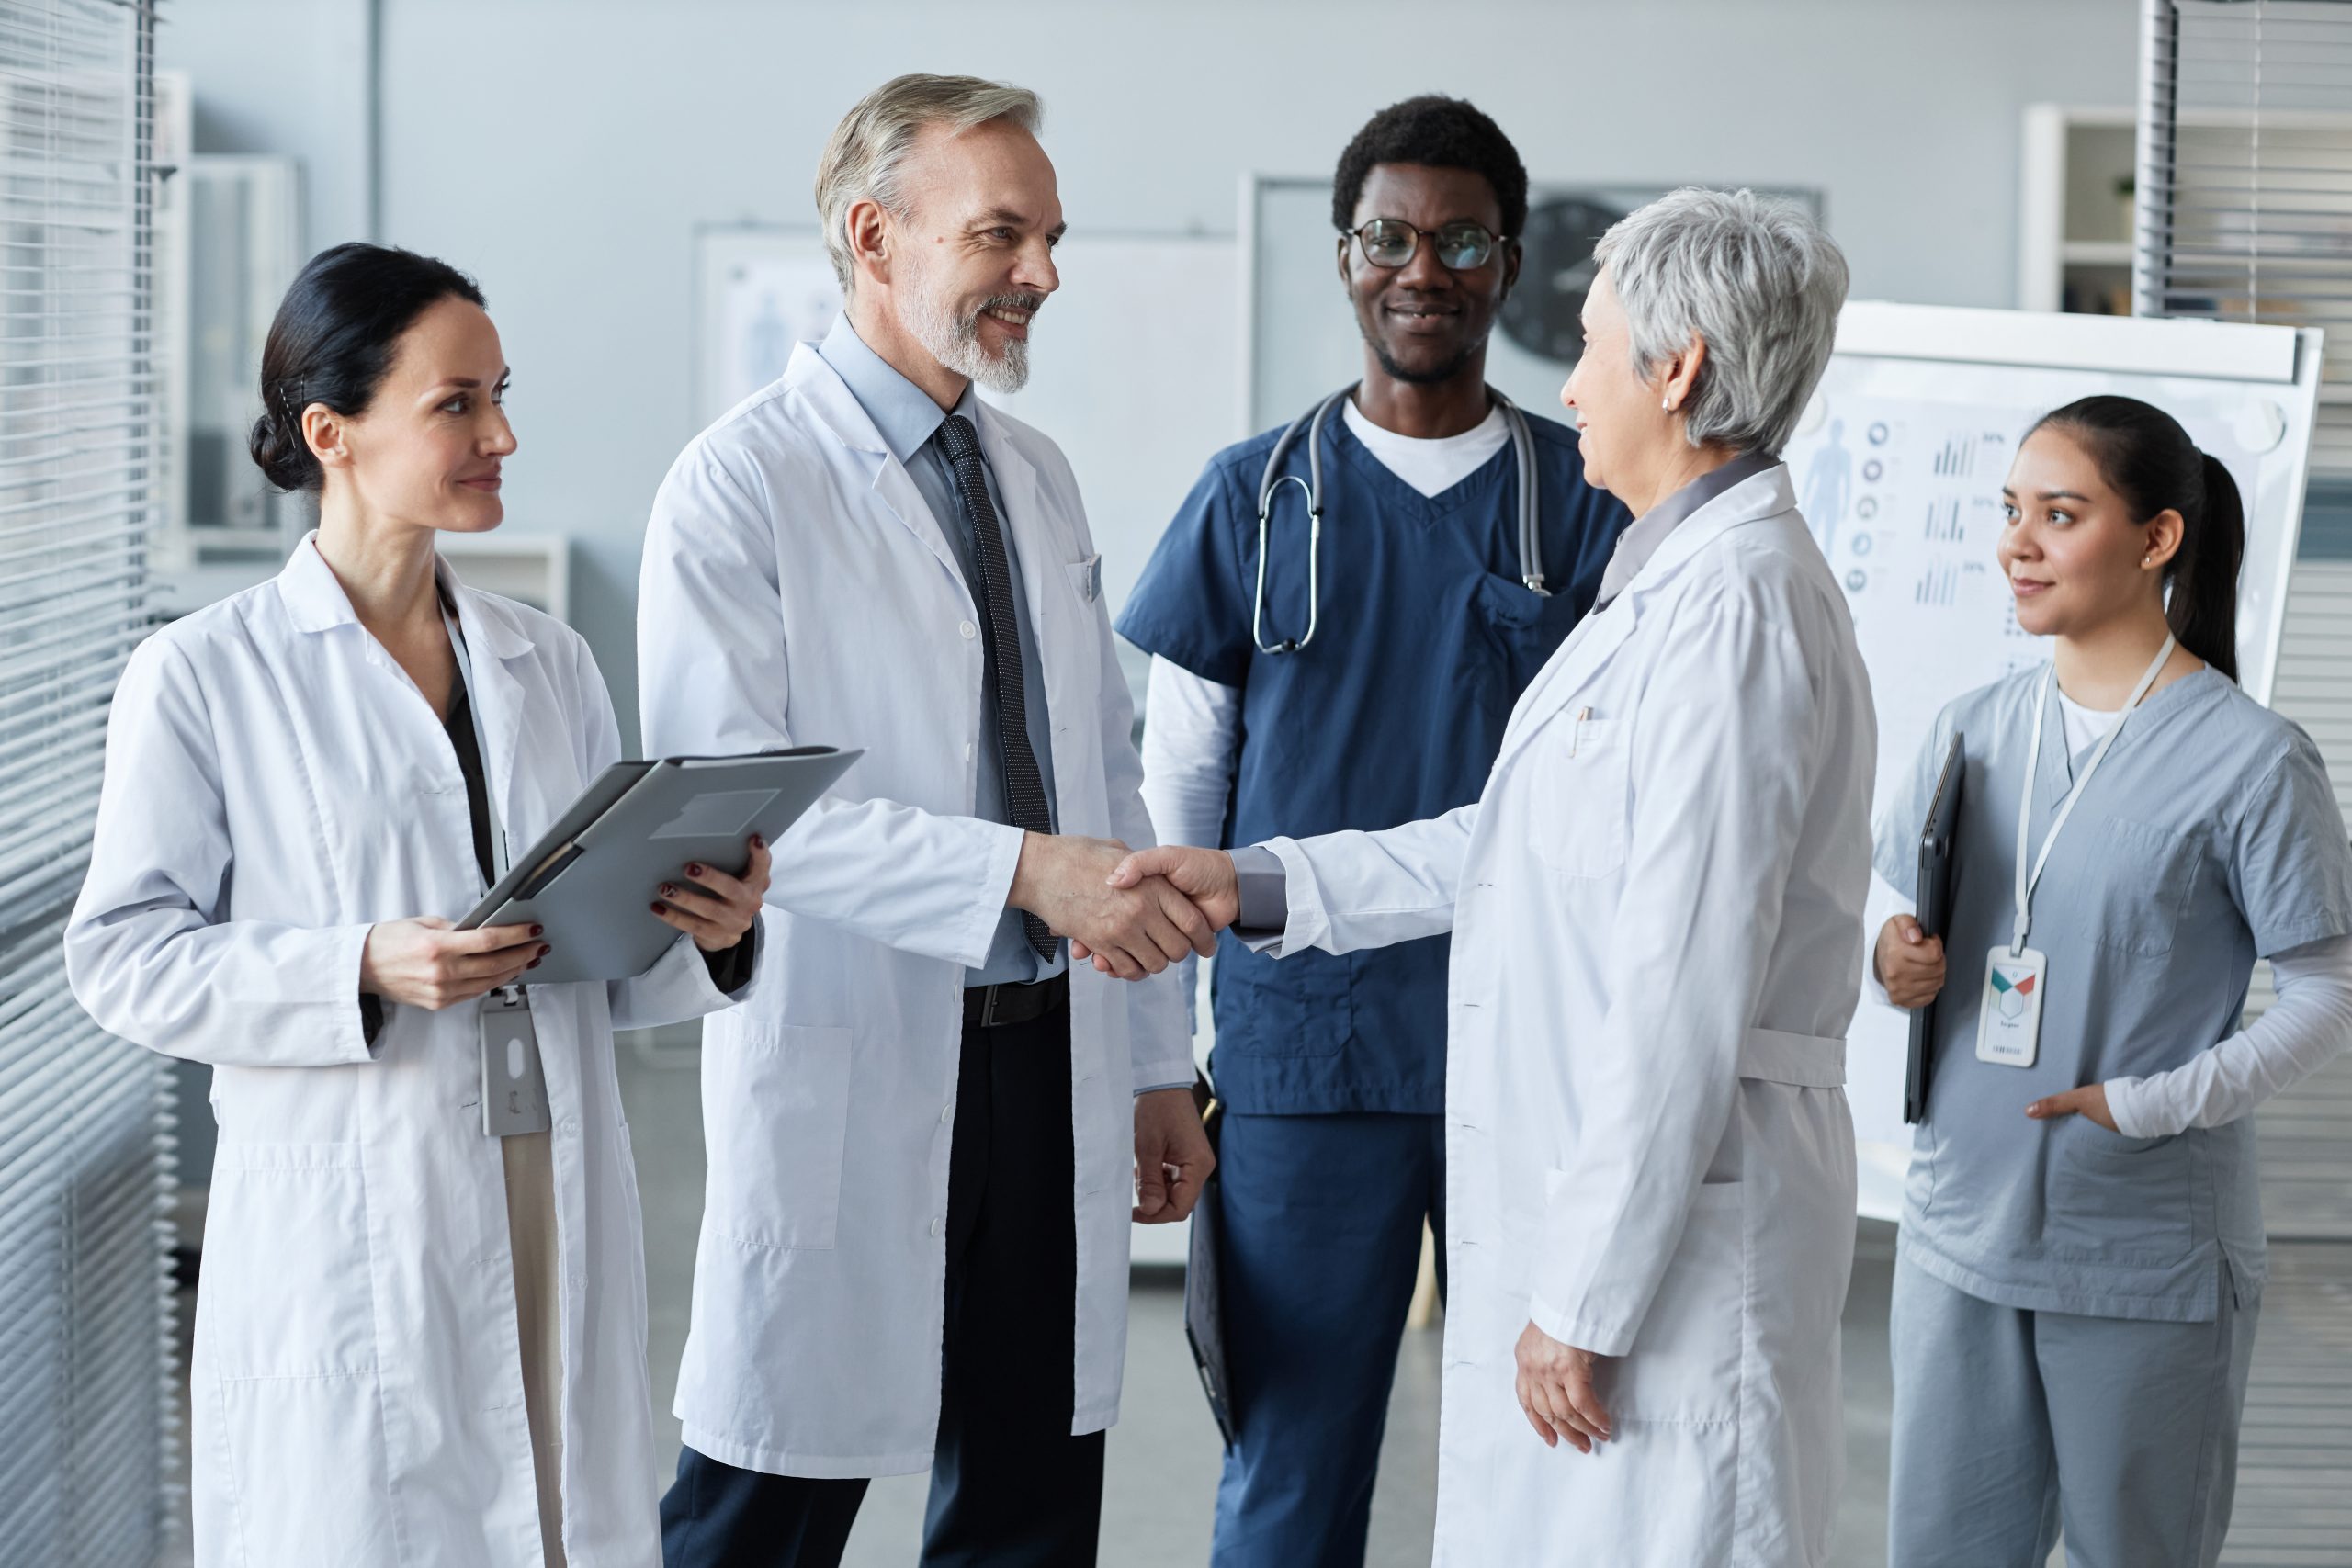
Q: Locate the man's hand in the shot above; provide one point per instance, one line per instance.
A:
(1129, 930)
(2088, 1100)
(1910, 962)
(1206, 877)
(1554, 1385)
(1172, 1157)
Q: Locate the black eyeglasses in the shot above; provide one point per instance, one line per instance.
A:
(1391, 242)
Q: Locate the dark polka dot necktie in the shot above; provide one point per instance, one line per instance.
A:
(1024, 787)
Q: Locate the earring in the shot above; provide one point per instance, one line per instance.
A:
(2148, 561)
(1667, 402)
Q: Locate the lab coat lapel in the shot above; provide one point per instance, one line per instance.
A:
(1572, 669)
(1598, 637)
(837, 410)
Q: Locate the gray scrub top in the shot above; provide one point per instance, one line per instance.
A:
(2209, 837)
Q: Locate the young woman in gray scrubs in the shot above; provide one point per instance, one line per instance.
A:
(2081, 1255)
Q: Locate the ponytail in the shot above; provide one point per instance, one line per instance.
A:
(2148, 460)
(2203, 609)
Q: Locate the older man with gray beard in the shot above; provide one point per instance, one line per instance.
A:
(914, 1243)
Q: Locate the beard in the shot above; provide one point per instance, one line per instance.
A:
(1428, 376)
(953, 339)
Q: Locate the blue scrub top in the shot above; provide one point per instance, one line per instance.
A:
(2208, 837)
(1394, 713)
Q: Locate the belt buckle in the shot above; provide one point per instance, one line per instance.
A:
(989, 999)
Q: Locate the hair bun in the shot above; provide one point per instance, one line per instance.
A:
(282, 455)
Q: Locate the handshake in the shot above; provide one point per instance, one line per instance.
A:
(1131, 914)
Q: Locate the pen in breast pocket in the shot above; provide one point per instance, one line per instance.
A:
(1576, 739)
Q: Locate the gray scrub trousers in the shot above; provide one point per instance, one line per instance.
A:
(2074, 1309)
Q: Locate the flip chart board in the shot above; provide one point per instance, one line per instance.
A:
(1898, 464)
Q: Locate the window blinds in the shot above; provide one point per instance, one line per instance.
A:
(85, 1307)
(2244, 208)
(2245, 212)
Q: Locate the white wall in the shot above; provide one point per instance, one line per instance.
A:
(564, 150)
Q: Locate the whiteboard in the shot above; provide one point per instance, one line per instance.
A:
(1134, 361)
(1898, 464)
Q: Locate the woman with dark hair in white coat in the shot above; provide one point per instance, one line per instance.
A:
(1657, 909)
(416, 1344)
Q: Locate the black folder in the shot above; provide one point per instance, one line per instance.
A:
(1204, 1302)
(1936, 839)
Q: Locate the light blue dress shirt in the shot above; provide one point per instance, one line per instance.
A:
(909, 420)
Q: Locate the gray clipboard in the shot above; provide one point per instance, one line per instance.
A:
(591, 879)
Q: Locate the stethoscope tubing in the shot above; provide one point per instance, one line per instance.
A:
(1530, 538)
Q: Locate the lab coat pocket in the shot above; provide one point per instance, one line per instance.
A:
(1684, 1366)
(2138, 910)
(287, 1289)
(1577, 785)
(777, 1106)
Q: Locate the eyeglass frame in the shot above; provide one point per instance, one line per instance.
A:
(1499, 241)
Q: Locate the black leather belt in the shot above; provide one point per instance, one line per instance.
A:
(985, 1007)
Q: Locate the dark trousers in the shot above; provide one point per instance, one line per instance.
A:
(1322, 1237)
(1009, 1487)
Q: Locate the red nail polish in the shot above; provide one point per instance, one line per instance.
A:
(758, 841)
(657, 909)
(538, 931)
(534, 963)
(694, 870)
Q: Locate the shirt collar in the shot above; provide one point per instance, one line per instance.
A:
(1638, 543)
(903, 412)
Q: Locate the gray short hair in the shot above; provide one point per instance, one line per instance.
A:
(863, 155)
(1754, 279)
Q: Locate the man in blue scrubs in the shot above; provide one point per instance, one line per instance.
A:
(1332, 1069)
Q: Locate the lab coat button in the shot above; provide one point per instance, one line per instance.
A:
(967, 628)
(946, 1113)
(938, 1225)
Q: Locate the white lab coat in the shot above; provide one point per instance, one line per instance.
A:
(274, 784)
(1656, 908)
(797, 590)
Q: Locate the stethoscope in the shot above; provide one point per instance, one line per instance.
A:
(1530, 540)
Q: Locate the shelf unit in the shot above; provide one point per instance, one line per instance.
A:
(2074, 214)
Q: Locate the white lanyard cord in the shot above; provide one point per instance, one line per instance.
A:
(2028, 881)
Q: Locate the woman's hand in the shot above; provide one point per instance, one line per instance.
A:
(1910, 962)
(2088, 1100)
(1556, 1391)
(713, 908)
(425, 962)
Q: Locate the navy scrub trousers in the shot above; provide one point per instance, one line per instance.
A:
(1323, 1242)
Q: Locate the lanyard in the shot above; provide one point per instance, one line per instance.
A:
(481, 741)
(2026, 883)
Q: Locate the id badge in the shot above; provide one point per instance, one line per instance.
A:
(513, 1089)
(2009, 1018)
